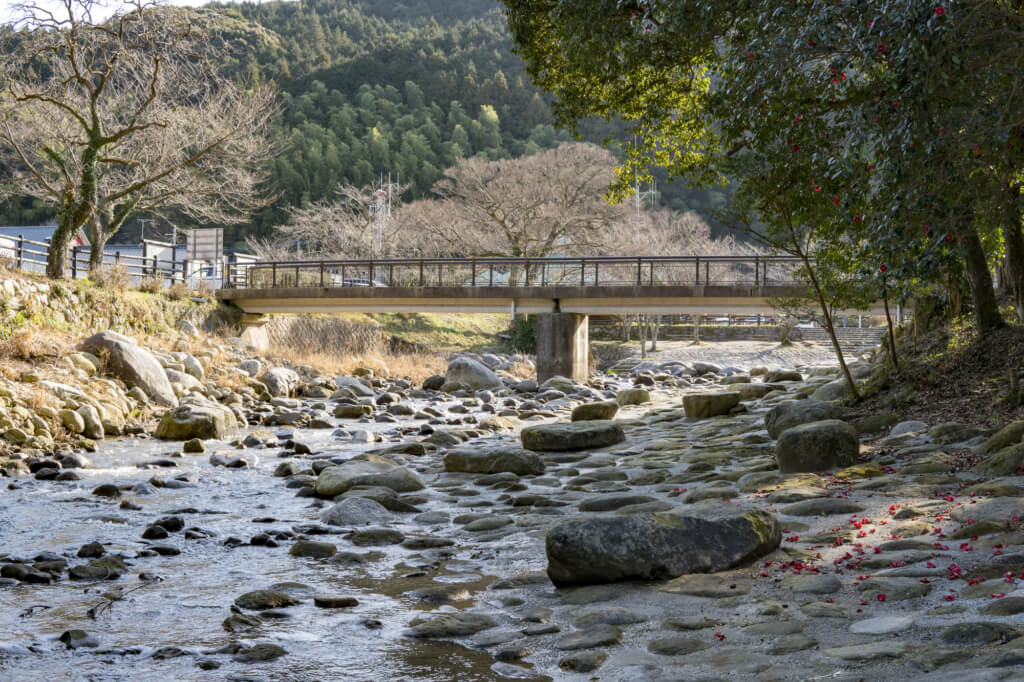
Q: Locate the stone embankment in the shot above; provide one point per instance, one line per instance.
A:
(683, 521)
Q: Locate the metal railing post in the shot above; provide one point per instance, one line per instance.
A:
(639, 271)
(21, 251)
(371, 272)
(597, 275)
(697, 281)
(273, 275)
(74, 262)
(423, 282)
(707, 272)
(583, 272)
(228, 284)
(757, 270)
(472, 277)
(156, 265)
(652, 274)
(321, 274)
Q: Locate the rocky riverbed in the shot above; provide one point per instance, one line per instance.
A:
(365, 528)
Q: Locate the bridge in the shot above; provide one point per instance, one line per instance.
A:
(562, 291)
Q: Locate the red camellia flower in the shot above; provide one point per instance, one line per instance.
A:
(881, 49)
(940, 10)
(883, 267)
(927, 229)
(880, 597)
(949, 238)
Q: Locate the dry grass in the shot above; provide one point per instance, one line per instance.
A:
(33, 343)
(205, 289)
(176, 291)
(111, 277)
(152, 284)
(415, 367)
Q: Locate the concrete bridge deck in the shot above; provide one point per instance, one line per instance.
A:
(605, 285)
(562, 291)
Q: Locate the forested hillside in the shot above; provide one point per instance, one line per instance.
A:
(368, 89)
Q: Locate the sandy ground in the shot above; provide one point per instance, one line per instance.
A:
(746, 354)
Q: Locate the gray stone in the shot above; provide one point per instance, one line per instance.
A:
(356, 511)
(338, 479)
(197, 417)
(315, 550)
(908, 427)
(583, 662)
(133, 365)
(871, 651)
(605, 409)
(883, 625)
(590, 638)
(261, 600)
(817, 446)
(823, 505)
(795, 412)
(710, 404)
(676, 646)
(564, 437)
(607, 615)
(280, 381)
(468, 372)
(259, 653)
(451, 625)
(494, 460)
(92, 425)
(633, 396)
(354, 385)
(656, 546)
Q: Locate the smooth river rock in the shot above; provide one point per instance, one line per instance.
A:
(656, 546)
(563, 437)
(710, 404)
(197, 418)
(494, 460)
(796, 412)
(338, 479)
(817, 446)
(133, 365)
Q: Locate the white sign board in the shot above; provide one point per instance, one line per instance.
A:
(206, 244)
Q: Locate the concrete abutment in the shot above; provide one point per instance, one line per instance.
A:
(563, 346)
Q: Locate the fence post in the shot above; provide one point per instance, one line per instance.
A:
(228, 284)
(639, 271)
(757, 269)
(74, 262)
(184, 272)
(423, 282)
(321, 274)
(21, 251)
(156, 265)
(597, 276)
(698, 271)
(583, 272)
(273, 274)
(371, 272)
(472, 277)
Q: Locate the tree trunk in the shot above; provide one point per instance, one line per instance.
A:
(57, 253)
(641, 328)
(1014, 281)
(986, 310)
(826, 312)
(97, 245)
(892, 335)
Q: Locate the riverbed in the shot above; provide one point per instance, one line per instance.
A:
(467, 543)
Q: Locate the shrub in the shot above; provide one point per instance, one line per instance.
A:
(524, 334)
(112, 277)
(152, 284)
(176, 291)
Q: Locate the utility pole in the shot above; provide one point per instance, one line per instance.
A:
(142, 229)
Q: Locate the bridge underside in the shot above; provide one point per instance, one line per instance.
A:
(582, 300)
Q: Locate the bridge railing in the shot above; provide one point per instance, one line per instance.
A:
(519, 272)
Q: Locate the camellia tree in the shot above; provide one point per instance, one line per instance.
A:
(878, 120)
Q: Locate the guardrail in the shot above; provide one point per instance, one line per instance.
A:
(30, 256)
(518, 272)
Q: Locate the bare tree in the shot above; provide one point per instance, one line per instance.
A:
(359, 223)
(107, 118)
(546, 204)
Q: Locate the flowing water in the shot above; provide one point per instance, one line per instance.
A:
(184, 598)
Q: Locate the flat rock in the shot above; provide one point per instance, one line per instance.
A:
(565, 437)
(883, 625)
(261, 600)
(451, 625)
(494, 460)
(676, 646)
(604, 409)
(376, 472)
(707, 585)
(590, 638)
(871, 651)
(656, 546)
(710, 404)
(817, 446)
(823, 505)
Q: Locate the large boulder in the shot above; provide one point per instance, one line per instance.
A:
(373, 471)
(197, 418)
(133, 365)
(818, 446)
(469, 372)
(494, 460)
(793, 413)
(559, 383)
(833, 390)
(605, 409)
(584, 435)
(657, 546)
(280, 381)
(783, 375)
(710, 404)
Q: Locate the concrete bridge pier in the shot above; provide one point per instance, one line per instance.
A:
(563, 346)
(254, 330)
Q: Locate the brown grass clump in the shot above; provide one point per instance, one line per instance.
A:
(176, 291)
(152, 284)
(205, 289)
(111, 277)
(32, 343)
(414, 367)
